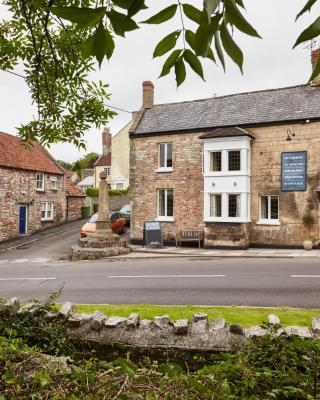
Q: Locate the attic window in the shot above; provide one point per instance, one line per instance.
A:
(53, 183)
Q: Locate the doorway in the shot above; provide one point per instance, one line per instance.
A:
(23, 220)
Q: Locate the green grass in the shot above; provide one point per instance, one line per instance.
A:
(245, 316)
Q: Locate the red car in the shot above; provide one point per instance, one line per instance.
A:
(118, 225)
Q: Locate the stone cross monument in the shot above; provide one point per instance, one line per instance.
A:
(103, 224)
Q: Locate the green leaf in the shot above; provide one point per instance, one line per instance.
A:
(162, 16)
(180, 71)
(121, 23)
(126, 4)
(306, 8)
(240, 2)
(166, 44)
(234, 16)
(316, 70)
(103, 44)
(194, 62)
(170, 62)
(127, 367)
(311, 32)
(230, 46)
(82, 16)
(43, 378)
(204, 35)
(192, 13)
(135, 7)
(218, 47)
(210, 55)
(210, 7)
(190, 38)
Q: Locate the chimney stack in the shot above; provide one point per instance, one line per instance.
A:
(148, 94)
(106, 141)
(314, 57)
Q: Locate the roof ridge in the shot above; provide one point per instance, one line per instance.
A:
(230, 95)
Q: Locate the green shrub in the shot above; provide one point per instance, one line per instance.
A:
(94, 192)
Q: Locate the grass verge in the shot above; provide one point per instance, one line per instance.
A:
(245, 316)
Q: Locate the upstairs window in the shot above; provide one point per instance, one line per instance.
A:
(40, 182)
(234, 205)
(269, 208)
(234, 160)
(165, 203)
(165, 156)
(215, 161)
(53, 183)
(107, 170)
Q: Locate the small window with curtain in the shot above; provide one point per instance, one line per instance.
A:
(215, 205)
(215, 161)
(269, 209)
(165, 157)
(165, 203)
(40, 181)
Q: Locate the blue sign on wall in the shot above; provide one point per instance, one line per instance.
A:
(294, 171)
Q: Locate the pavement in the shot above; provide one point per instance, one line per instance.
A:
(170, 251)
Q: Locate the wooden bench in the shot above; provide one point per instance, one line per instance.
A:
(189, 235)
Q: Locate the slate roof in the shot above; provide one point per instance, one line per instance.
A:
(103, 161)
(226, 132)
(14, 154)
(71, 189)
(243, 109)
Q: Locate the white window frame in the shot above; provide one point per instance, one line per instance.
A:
(118, 184)
(45, 209)
(108, 170)
(268, 221)
(165, 168)
(40, 189)
(53, 183)
(165, 217)
(215, 194)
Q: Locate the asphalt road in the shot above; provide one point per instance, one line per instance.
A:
(253, 282)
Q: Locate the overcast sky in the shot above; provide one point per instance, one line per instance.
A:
(269, 63)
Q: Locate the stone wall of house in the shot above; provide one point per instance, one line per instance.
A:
(19, 188)
(75, 205)
(266, 151)
(186, 180)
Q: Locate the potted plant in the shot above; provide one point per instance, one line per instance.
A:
(308, 221)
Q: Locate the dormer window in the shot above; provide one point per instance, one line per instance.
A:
(40, 181)
(165, 157)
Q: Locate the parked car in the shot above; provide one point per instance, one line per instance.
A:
(126, 213)
(118, 224)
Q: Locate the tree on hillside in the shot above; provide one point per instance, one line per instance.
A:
(85, 162)
(65, 165)
(60, 41)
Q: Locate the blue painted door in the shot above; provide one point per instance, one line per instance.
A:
(23, 220)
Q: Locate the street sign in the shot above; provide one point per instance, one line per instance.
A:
(152, 233)
(294, 171)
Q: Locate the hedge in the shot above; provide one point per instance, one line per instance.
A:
(94, 192)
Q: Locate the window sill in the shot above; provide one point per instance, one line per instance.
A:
(231, 220)
(165, 219)
(226, 173)
(268, 222)
(54, 190)
(168, 169)
(47, 219)
(39, 190)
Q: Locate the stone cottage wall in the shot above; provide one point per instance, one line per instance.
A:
(75, 205)
(19, 188)
(186, 180)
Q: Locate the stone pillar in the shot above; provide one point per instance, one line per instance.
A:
(103, 224)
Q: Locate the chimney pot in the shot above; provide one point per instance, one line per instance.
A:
(148, 94)
(106, 141)
(314, 57)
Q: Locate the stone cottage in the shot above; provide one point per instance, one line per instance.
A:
(32, 188)
(75, 199)
(245, 167)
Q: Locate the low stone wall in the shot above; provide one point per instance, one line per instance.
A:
(115, 202)
(103, 333)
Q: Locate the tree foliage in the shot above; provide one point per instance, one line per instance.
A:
(59, 43)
